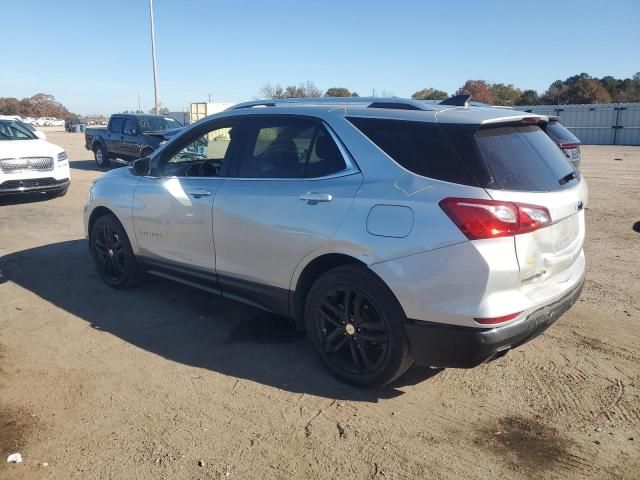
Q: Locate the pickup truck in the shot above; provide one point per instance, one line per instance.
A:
(129, 136)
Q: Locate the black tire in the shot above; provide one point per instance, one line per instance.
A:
(112, 253)
(101, 156)
(356, 326)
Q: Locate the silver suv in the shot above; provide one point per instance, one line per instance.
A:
(394, 232)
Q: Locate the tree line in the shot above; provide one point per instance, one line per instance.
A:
(40, 105)
(582, 88)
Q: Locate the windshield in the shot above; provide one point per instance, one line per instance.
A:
(150, 124)
(524, 158)
(12, 130)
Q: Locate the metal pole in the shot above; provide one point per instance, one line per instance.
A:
(153, 56)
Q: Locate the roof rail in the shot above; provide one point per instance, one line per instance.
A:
(368, 102)
(457, 101)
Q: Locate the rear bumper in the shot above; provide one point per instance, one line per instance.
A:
(452, 346)
(33, 185)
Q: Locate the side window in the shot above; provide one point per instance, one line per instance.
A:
(203, 156)
(130, 126)
(116, 125)
(289, 147)
(420, 147)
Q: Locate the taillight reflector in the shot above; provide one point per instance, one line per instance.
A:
(494, 320)
(479, 219)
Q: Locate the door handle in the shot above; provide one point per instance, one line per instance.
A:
(315, 197)
(199, 192)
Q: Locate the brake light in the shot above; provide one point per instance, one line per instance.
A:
(479, 219)
(494, 320)
(569, 145)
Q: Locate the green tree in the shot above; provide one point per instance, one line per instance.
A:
(528, 97)
(479, 90)
(302, 90)
(505, 94)
(339, 92)
(430, 94)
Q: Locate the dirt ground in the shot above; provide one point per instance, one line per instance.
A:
(165, 382)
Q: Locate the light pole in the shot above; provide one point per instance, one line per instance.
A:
(153, 56)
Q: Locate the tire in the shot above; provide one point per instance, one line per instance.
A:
(366, 346)
(112, 253)
(101, 156)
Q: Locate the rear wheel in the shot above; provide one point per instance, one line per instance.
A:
(356, 326)
(101, 156)
(112, 253)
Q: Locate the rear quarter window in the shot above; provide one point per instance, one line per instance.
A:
(524, 158)
(560, 134)
(420, 147)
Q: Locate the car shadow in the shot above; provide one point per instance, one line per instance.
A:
(185, 325)
(20, 198)
(91, 165)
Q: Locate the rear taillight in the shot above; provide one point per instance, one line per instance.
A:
(480, 219)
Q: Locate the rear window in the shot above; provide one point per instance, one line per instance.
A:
(560, 134)
(420, 147)
(524, 158)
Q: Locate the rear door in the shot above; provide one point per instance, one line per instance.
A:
(114, 135)
(130, 146)
(527, 167)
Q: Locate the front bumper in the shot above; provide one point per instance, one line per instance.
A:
(452, 346)
(48, 184)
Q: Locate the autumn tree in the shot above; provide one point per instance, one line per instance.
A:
(40, 105)
(430, 94)
(479, 90)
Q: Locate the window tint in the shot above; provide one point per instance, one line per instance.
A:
(419, 147)
(287, 147)
(130, 126)
(524, 158)
(116, 125)
(203, 156)
(560, 134)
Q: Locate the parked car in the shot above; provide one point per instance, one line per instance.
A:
(567, 141)
(29, 164)
(395, 232)
(129, 136)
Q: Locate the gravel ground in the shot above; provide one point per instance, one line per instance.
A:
(164, 381)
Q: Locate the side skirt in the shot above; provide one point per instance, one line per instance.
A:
(266, 297)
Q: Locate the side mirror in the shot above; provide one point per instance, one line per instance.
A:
(141, 167)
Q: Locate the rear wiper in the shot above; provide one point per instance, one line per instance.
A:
(567, 178)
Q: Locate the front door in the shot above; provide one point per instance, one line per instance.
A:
(173, 210)
(290, 188)
(130, 147)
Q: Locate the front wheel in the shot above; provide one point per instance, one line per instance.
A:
(356, 326)
(101, 156)
(112, 253)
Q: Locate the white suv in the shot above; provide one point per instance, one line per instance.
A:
(395, 232)
(29, 164)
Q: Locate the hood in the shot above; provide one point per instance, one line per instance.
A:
(28, 148)
(166, 134)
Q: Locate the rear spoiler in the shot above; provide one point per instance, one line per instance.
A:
(525, 118)
(457, 101)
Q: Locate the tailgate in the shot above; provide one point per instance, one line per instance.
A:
(550, 250)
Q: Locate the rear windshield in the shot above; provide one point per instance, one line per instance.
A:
(560, 134)
(524, 158)
(420, 147)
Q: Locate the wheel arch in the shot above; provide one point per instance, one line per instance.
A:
(97, 212)
(311, 272)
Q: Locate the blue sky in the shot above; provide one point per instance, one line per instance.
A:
(95, 56)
